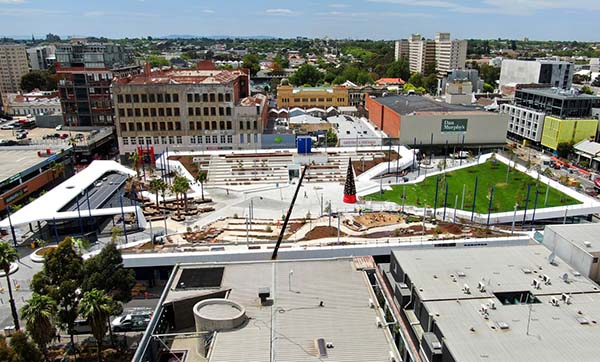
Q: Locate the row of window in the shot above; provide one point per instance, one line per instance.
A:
(176, 126)
(208, 97)
(211, 139)
(171, 140)
(313, 100)
(209, 111)
(149, 112)
(148, 98)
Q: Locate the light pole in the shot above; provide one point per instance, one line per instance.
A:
(290, 280)
(512, 229)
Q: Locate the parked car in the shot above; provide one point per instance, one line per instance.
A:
(82, 326)
(59, 127)
(131, 322)
(7, 127)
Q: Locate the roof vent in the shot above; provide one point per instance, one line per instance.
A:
(503, 325)
(264, 294)
(587, 244)
(583, 320)
(526, 271)
(321, 347)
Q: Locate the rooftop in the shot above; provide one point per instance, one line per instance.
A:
(558, 93)
(16, 160)
(407, 104)
(183, 76)
(511, 320)
(286, 327)
(584, 236)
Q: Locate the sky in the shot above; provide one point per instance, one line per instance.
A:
(357, 19)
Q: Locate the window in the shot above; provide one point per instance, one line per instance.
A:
(221, 124)
(169, 112)
(176, 112)
(138, 112)
(242, 125)
(136, 98)
(125, 141)
(120, 99)
(221, 111)
(229, 126)
(200, 139)
(190, 97)
(215, 139)
(130, 113)
(192, 125)
(227, 97)
(241, 138)
(148, 140)
(145, 112)
(121, 112)
(133, 141)
(147, 126)
(222, 138)
(190, 111)
(156, 140)
(153, 112)
(208, 139)
(228, 111)
(205, 97)
(163, 126)
(159, 98)
(141, 140)
(220, 97)
(161, 112)
(198, 111)
(167, 98)
(229, 138)
(213, 111)
(144, 98)
(198, 125)
(179, 140)
(170, 126)
(163, 140)
(193, 139)
(138, 127)
(171, 140)
(127, 98)
(213, 125)
(212, 97)
(178, 126)
(197, 98)
(152, 98)
(205, 109)
(123, 127)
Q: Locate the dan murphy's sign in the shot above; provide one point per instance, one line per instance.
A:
(454, 125)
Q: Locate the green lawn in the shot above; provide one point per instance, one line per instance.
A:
(489, 173)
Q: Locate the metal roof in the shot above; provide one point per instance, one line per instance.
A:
(406, 104)
(583, 235)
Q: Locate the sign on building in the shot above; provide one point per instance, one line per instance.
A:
(454, 125)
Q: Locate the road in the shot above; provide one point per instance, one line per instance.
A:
(98, 195)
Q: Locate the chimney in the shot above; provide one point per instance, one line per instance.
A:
(147, 69)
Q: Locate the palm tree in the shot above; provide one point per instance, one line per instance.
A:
(156, 186)
(8, 255)
(132, 186)
(57, 169)
(97, 307)
(38, 314)
(201, 178)
(181, 185)
(135, 159)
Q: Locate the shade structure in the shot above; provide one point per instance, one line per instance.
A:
(350, 187)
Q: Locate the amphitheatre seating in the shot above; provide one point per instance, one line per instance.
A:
(249, 169)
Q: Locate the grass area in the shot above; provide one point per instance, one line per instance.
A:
(490, 173)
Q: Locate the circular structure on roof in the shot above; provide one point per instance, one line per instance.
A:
(218, 315)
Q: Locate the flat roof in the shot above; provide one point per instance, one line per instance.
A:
(286, 329)
(406, 104)
(352, 127)
(517, 330)
(442, 274)
(557, 93)
(579, 234)
(16, 159)
(182, 76)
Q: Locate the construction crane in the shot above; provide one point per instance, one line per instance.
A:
(289, 214)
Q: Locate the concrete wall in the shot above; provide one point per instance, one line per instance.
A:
(519, 71)
(482, 129)
(575, 256)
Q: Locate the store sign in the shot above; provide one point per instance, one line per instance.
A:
(454, 125)
(16, 195)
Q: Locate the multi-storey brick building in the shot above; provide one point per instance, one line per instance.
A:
(200, 109)
(85, 73)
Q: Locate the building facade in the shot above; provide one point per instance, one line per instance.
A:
(40, 58)
(188, 110)
(533, 106)
(85, 72)
(449, 54)
(421, 53)
(422, 120)
(34, 103)
(549, 72)
(13, 66)
(401, 49)
(307, 97)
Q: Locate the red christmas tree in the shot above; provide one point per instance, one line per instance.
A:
(350, 188)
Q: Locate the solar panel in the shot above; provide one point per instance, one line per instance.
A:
(200, 278)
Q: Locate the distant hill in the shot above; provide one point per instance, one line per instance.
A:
(185, 36)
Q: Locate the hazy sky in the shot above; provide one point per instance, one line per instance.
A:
(375, 19)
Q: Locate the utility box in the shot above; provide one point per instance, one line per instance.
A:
(304, 145)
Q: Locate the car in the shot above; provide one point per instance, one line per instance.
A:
(59, 127)
(98, 184)
(105, 179)
(82, 326)
(7, 127)
(21, 136)
(131, 322)
(63, 136)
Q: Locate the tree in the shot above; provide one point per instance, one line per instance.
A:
(489, 74)
(331, 138)
(115, 233)
(157, 62)
(306, 74)
(6, 353)
(596, 82)
(135, 160)
(430, 83)
(201, 178)
(38, 79)
(60, 279)
(38, 314)
(564, 149)
(157, 185)
(416, 79)
(24, 349)
(97, 307)
(488, 88)
(430, 68)
(105, 272)
(398, 69)
(58, 169)
(277, 69)
(251, 62)
(8, 255)
(181, 185)
(587, 90)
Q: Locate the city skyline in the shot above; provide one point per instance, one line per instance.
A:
(358, 19)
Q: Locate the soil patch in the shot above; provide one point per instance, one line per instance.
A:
(43, 251)
(321, 232)
(377, 219)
